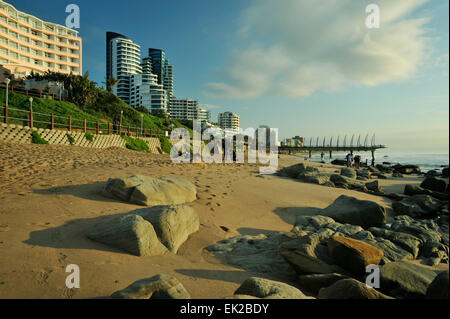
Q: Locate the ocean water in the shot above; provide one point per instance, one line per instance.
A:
(426, 162)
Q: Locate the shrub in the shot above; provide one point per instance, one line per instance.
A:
(70, 139)
(89, 137)
(166, 146)
(136, 144)
(37, 139)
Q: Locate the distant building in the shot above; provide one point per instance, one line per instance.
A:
(229, 121)
(203, 115)
(163, 69)
(123, 60)
(296, 141)
(184, 109)
(29, 44)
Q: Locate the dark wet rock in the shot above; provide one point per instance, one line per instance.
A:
(339, 162)
(158, 287)
(434, 184)
(439, 288)
(407, 169)
(445, 172)
(348, 172)
(374, 186)
(408, 242)
(365, 173)
(397, 174)
(293, 171)
(412, 190)
(350, 210)
(350, 289)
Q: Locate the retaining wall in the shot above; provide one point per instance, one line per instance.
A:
(22, 134)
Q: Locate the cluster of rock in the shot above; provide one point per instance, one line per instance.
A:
(330, 252)
(154, 230)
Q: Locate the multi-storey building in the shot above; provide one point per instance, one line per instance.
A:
(123, 59)
(145, 91)
(203, 115)
(29, 44)
(184, 109)
(163, 69)
(229, 121)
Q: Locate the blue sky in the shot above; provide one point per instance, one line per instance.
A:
(306, 67)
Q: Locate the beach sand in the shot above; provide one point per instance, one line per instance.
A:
(50, 196)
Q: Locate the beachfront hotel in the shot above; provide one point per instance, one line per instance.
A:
(29, 44)
(229, 121)
(123, 60)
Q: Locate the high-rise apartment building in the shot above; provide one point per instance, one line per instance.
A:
(123, 59)
(163, 69)
(204, 115)
(29, 44)
(145, 91)
(229, 121)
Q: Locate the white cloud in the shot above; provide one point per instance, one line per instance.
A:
(297, 47)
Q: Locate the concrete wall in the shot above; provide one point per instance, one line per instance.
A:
(22, 134)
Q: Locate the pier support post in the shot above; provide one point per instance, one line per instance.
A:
(331, 154)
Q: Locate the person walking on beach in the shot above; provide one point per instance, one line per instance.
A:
(349, 158)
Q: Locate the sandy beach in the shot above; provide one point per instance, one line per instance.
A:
(51, 195)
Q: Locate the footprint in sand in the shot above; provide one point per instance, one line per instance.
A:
(69, 293)
(4, 228)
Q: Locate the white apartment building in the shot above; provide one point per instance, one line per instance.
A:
(29, 44)
(203, 115)
(146, 92)
(229, 121)
(123, 59)
(184, 109)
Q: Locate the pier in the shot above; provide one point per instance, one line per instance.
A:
(329, 148)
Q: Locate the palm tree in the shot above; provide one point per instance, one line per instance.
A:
(110, 83)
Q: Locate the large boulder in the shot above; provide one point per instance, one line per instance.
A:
(365, 173)
(412, 190)
(348, 172)
(313, 283)
(407, 169)
(350, 210)
(434, 184)
(408, 242)
(350, 289)
(158, 287)
(293, 171)
(417, 206)
(149, 191)
(128, 232)
(445, 172)
(404, 279)
(173, 224)
(312, 178)
(374, 186)
(439, 288)
(269, 289)
(353, 255)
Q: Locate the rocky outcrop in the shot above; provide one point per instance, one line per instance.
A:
(158, 287)
(350, 289)
(269, 289)
(353, 255)
(353, 211)
(348, 172)
(149, 231)
(418, 206)
(313, 283)
(149, 191)
(407, 169)
(404, 279)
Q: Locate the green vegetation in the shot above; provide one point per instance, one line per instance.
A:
(70, 139)
(136, 144)
(166, 146)
(89, 137)
(86, 101)
(37, 139)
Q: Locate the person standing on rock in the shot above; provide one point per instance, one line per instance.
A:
(357, 161)
(349, 158)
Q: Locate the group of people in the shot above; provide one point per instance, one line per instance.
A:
(356, 160)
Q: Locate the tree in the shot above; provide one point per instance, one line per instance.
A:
(110, 83)
(159, 113)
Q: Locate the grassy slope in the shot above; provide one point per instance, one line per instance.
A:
(106, 108)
